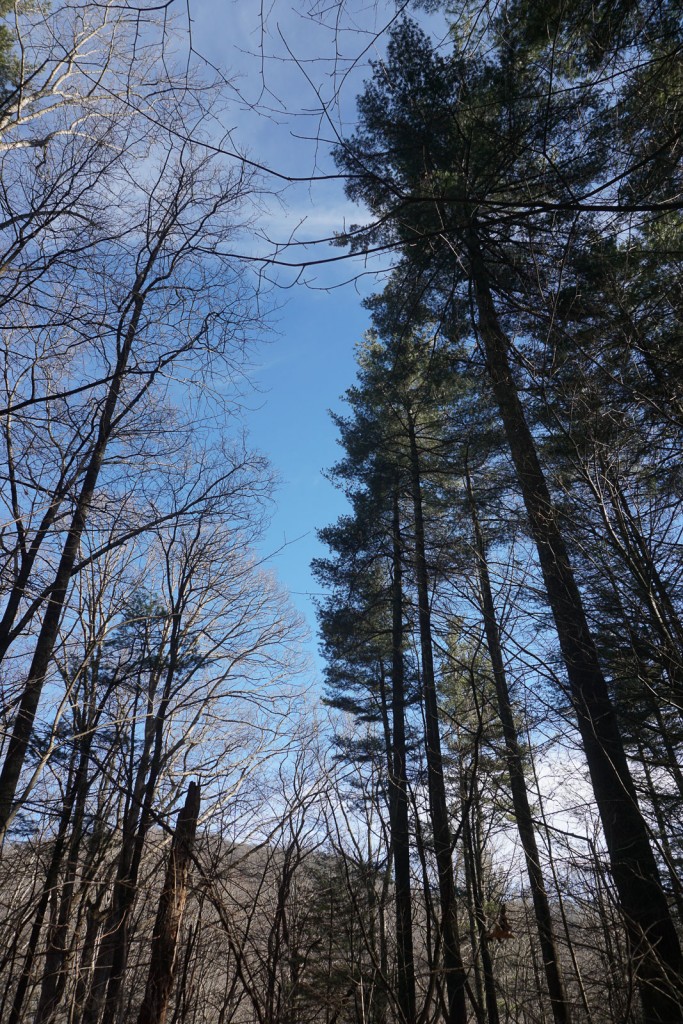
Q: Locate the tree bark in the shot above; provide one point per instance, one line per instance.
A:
(473, 874)
(47, 637)
(169, 915)
(452, 959)
(55, 970)
(515, 766)
(48, 894)
(655, 948)
(398, 787)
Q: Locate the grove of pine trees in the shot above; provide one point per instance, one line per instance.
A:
(481, 819)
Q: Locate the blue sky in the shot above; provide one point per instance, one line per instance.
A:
(308, 361)
(312, 363)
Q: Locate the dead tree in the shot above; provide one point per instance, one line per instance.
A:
(170, 912)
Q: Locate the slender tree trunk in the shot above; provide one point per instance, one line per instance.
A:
(17, 592)
(473, 872)
(54, 973)
(87, 962)
(515, 766)
(113, 947)
(655, 949)
(75, 797)
(452, 959)
(659, 812)
(558, 888)
(171, 906)
(186, 988)
(668, 646)
(48, 893)
(126, 892)
(398, 788)
(614, 956)
(47, 637)
(625, 536)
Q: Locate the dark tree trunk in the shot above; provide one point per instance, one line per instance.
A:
(171, 905)
(515, 766)
(398, 787)
(49, 893)
(654, 797)
(452, 959)
(94, 918)
(655, 948)
(55, 972)
(47, 637)
(113, 949)
(633, 548)
(8, 629)
(473, 871)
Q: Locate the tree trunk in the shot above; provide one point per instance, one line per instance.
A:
(655, 949)
(49, 893)
(55, 973)
(125, 892)
(171, 905)
(87, 961)
(452, 960)
(473, 873)
(47, 637)
(398, 788)
(515, 766)
(113, 949)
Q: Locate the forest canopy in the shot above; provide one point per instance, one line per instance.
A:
(481, 818)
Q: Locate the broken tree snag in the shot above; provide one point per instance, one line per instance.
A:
(169, 914)
(501, 929)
